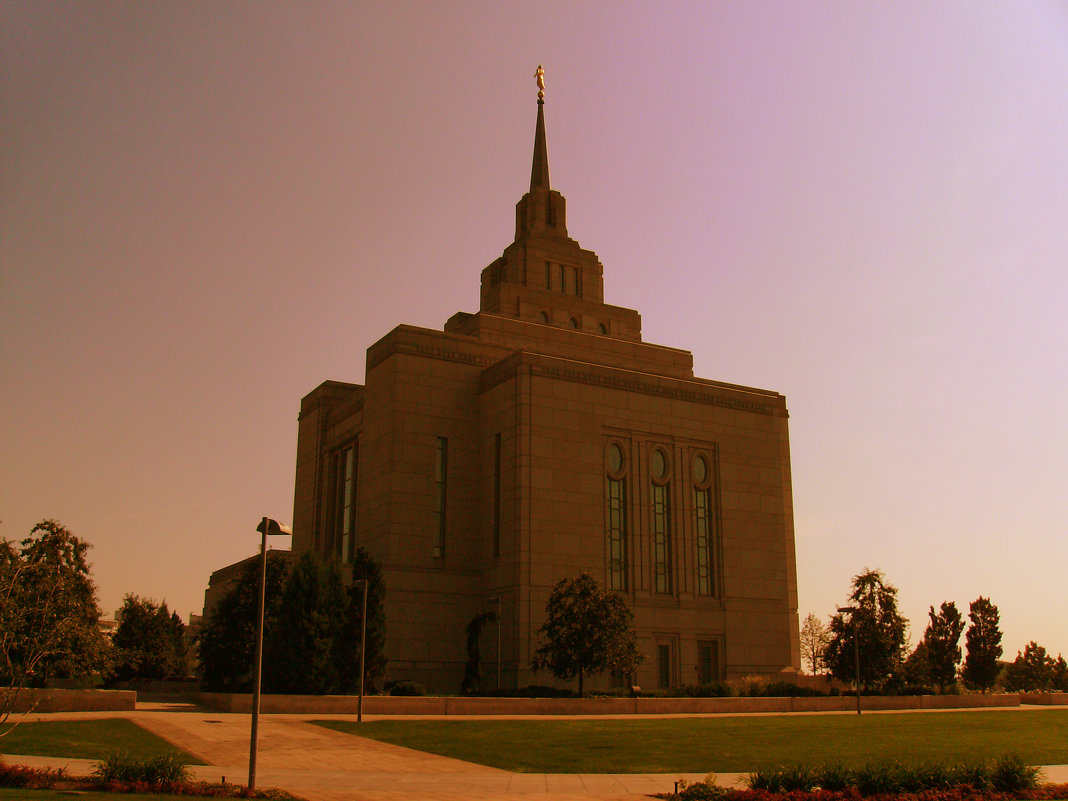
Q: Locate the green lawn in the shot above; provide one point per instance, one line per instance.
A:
(730, 744)
(87, 739)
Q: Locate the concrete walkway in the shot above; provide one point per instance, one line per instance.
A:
(323, 765)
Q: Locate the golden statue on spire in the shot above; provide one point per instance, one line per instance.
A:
(540, 76)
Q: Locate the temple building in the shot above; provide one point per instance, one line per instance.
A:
(540, 437)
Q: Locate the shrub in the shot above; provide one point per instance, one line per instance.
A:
(406, 687)
(1010, 774)
(33, 778)
(126, 769)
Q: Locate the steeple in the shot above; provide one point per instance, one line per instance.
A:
(541, 210)
(539, 169)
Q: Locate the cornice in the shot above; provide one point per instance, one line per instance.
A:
(627, 381)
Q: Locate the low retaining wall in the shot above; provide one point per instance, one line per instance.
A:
(75, 701)
(438, 705)
(1044, 699)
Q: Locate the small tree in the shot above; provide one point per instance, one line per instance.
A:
(983, 643)
(586, 631)
(875, 623)
(472, 681)
(149, 642)
(814, 641)
(942, 639)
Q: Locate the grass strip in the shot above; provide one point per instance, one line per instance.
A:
(88, 739)
(730, 744)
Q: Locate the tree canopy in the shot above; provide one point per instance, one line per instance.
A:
(1034, 670)
(983, 644)
(586, 631)
(875, 623)
(49, 618)
(311, 629)
(149, 642)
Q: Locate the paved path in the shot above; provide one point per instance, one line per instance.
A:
(323, 765)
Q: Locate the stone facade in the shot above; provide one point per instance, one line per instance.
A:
(541, 437)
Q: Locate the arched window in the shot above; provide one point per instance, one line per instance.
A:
(616, 515)
(602, 329)
(574, 323)
(660, 502)
(543, 318)
(704, 525)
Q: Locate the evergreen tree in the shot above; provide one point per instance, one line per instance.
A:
(878, 627)
(586, 631)
(229, 637)
(299, 650)
(942, 639)
(916, 672)
(347, 653)
(983, 644)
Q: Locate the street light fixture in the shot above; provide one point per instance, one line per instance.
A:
(498, 602)
(273, 528)
(852, 610)
(363, 646)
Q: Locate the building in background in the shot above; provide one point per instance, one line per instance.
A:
(540, 437)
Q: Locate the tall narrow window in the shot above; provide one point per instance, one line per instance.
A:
(563, 278)
(708, 669)
(660, 497)
(704, 526)
(496, 494)
(616, 492)
(346, 503)
(549, 276)
(577, 281)
(441, 468)
(663, 665)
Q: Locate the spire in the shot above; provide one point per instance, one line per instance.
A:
(539, 169)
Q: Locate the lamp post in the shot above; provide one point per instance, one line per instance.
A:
(856, 646)
(498, 601)
(273, 528)
(363, 647)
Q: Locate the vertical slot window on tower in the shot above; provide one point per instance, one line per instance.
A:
(496, 494)
(441, 471)
(704, 526)
(616, 494)
(346, 503)
(660, 502)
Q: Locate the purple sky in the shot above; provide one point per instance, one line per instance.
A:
(207, 209)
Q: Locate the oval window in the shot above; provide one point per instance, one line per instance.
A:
(659, 465)
(615, 459)
(700, 469)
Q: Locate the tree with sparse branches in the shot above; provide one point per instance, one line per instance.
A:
(983, 644)
(814, 641)
(49, 619)
(586, 631)
(942, 639)
(876, 625)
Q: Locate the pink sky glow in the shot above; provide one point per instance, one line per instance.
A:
(207, 209)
